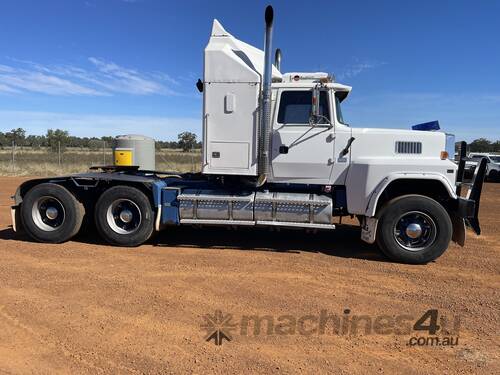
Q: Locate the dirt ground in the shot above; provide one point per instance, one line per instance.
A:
(84, 307)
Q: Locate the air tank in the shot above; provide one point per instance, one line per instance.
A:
(134, 149)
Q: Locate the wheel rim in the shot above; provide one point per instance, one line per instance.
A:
(123, 216)
(415, 231)
(48, 213)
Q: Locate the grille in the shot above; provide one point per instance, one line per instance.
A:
(403, 147)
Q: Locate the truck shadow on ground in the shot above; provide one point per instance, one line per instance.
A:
(342, 242)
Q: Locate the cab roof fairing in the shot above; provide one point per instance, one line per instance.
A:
(228, 59)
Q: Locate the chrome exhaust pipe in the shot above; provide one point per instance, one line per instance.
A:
(265, 119)
(277, 59)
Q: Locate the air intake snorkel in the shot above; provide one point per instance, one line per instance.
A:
(265, 118)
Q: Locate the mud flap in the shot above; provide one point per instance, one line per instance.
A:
(15, 216)
(459, 232)
(369, 229)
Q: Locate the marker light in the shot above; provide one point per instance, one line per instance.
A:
(444, 155)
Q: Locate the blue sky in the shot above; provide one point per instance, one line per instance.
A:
(108, 67)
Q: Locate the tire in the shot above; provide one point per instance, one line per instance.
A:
(124, 216)
(50, 213)
(413, 229)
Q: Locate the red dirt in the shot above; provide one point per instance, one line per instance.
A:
(84, 307)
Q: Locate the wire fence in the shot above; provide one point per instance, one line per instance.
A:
(26, 161)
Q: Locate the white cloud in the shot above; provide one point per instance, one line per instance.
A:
(6, 69)
(354, 69)
(116, 78)
(4, 89)
(102, 78)
(95, 125)
(42, 83)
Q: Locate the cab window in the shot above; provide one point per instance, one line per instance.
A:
(295, 107)
(340, 117)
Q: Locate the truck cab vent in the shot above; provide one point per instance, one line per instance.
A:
(403, 147)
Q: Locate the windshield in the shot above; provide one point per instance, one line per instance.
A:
(495, 159)
(340, 118)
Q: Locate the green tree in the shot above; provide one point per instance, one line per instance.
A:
(495, 146)
(95, 144)
(480, 145)
(187, 141)
(18, 136)
(3, 140)
(109, 140)
(35, 141)
(57, 139)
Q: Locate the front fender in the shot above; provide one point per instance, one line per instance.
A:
(371, 205)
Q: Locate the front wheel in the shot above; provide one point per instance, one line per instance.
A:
(124, 216)
(414, 229)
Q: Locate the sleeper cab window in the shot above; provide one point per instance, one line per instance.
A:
(295, 107)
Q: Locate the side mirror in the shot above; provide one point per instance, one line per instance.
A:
(315, 104)
(316, 115)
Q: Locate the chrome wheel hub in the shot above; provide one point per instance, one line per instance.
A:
(123, 216)
(48, 213)
(126, 216)
(415, 231)
(52, 213)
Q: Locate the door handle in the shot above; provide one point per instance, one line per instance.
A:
(283, 149)
(346, 149)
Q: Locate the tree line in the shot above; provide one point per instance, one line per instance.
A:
(484, 145)
(58, 140)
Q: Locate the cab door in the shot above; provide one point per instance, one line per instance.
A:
(343, 140)
(301, 152)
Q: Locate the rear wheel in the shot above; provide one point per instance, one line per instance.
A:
(414, 229)
(50, 213)
(124, 216)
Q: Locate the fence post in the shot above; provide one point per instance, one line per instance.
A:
(103, 153)
(192, 159)
(59, 153)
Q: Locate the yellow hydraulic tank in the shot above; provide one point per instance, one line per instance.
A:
(137, 150)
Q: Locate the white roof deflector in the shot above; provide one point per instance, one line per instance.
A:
(228, 59)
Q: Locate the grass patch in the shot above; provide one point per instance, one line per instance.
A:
(29, 162)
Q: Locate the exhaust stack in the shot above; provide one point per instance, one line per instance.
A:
(265, 119)
(277, 59)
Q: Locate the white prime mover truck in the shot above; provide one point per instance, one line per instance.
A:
(276, 152)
